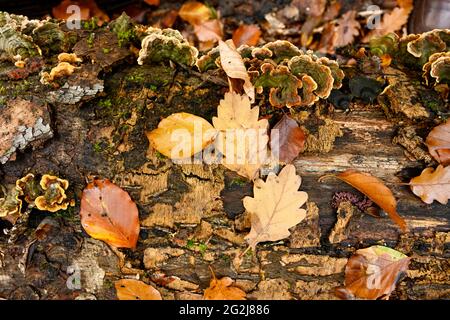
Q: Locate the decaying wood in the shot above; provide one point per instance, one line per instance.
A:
(192, 216)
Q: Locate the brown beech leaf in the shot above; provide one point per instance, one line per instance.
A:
(223, 289)
(376, 191)
(242, 137)
(372, 273)
(438, 142)
(248, 34)
(287, 140)
(130, 289)
(347, 29)
(275, 206)
(108, 214)
(209, 31)
(432, 185)
(234, 67)
(195, 12)
(181, 135)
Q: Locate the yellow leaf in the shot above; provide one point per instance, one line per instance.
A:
(242, 138)
(181, 135)
(195, 12)
(129, 289)
(275, 206)
(234, 67)
(432, 185)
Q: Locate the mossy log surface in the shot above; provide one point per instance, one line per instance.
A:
(192, 216)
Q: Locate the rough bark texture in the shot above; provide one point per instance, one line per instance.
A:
(192, 215)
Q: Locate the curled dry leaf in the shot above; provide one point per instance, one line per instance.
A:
(209, 31)
(247, 34)
(234, 67)
(376, 191)
(438, 142)
(223, 289)
(287, 140)
(130, 289)
(432, 185)
(372, 273)
(242, 137)
(181, 135)
(275, 206)
(108, 214)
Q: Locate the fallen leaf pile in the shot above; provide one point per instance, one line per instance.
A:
(372, 273)
(108, 214)
(207, 27)
(275, 206)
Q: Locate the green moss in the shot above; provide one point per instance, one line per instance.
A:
(91, 24)
(97, 147)
(90, 40)
(106, 50)
(238, 181)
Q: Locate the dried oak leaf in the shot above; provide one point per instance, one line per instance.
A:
(275, 206)
(108, 214)
(234, 67)
(223, 289)
(432, 185)
(438, 143)
(372, 273)
(181, 135)
(287, 140)
(247, 34)
(347, 29)
(376, 191)
(242, 137)
(130, 289)
(392, 21)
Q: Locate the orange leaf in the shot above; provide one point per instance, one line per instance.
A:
(222, 289)
(129, 289)
(108, 214)
(376, 191)
(195, 12)
(372, 273)
(209, 31)
(246, 34)
(438, 142)
(152, 2)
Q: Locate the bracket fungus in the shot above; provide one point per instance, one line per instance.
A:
(54, 196)
(166, 44)
(291, 76)
(10, 203)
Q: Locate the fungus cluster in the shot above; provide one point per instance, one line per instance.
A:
(290, 76)
(64, 68)
(429, 51)
(166, 45)
(46, 194)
